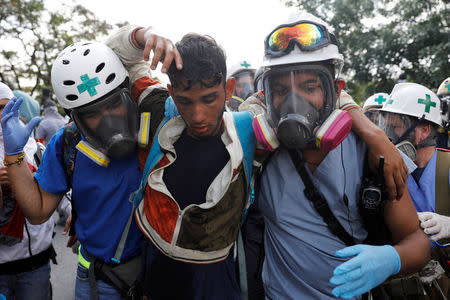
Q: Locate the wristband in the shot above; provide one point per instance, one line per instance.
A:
(18, 160)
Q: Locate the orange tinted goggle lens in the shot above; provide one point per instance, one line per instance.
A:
(306, 34)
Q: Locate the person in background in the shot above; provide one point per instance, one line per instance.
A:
(30, 107)
(243, 74)
(25, 249)
(51, 122)
(443, 93)
(373, 104)
(411, 118)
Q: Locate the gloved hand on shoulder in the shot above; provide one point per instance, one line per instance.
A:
(371, 266)
(15, 133)
(438, 226)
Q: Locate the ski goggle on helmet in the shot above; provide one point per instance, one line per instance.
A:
(307, 35)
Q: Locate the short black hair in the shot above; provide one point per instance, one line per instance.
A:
(204, 62)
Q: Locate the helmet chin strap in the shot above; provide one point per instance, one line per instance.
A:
(428, 141)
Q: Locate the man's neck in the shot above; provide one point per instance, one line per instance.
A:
(424, 155)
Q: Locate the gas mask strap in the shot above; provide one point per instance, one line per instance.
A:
(90, 152)
(408, 131)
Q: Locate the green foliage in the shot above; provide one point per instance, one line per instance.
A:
(31, 36)
(382, 39)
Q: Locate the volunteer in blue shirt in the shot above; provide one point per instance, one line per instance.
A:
(89, 79)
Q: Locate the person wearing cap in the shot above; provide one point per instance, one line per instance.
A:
(25, 249)
(310, 187)
(243, 73)
(411, 118)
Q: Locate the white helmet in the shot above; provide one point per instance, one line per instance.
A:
(375, 101)
(444, 88)
(328, 52)
(240, 66)
(414, 100)
(84, 72)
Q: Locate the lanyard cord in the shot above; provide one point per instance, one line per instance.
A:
(319, 202)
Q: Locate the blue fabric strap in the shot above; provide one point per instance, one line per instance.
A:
(243, 121)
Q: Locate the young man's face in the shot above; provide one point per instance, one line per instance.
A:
(306, 85)
(202, 107)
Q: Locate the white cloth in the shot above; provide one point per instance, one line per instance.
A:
(5, 91)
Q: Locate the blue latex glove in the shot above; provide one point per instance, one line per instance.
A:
(15, 133)
(170, 109)
(371, 266)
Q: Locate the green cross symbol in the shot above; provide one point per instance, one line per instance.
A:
(245, 64)
(380, 99)
(448, 86)
(88, 85)
(428, 103)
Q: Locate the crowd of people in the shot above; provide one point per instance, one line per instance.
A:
(228, 183)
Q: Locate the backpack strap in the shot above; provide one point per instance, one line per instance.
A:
(71, 137)
(442, 182)
(243, 122)
(154, 156)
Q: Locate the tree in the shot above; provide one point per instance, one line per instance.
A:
(32, 36)
(382, 39)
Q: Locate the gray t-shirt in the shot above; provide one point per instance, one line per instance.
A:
(299, 246)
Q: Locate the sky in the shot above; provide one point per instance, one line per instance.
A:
(239, 26)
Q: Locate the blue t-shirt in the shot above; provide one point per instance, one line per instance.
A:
(100, 196)
(188, 179)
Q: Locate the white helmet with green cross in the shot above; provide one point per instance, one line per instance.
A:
(414, 100)
(375, 101)
(84, 72)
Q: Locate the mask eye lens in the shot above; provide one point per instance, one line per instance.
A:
(114, 104)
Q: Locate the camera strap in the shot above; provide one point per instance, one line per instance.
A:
(319, 202)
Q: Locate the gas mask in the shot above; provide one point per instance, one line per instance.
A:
(300, 102)
(243, 85)
(400, 131)
(110, 125)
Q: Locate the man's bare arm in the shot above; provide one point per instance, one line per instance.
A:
(395, 170)
(36, 204)
(410, 241)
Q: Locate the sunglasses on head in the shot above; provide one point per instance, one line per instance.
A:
(306, 35)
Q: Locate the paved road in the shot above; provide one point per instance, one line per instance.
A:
(63, 274)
